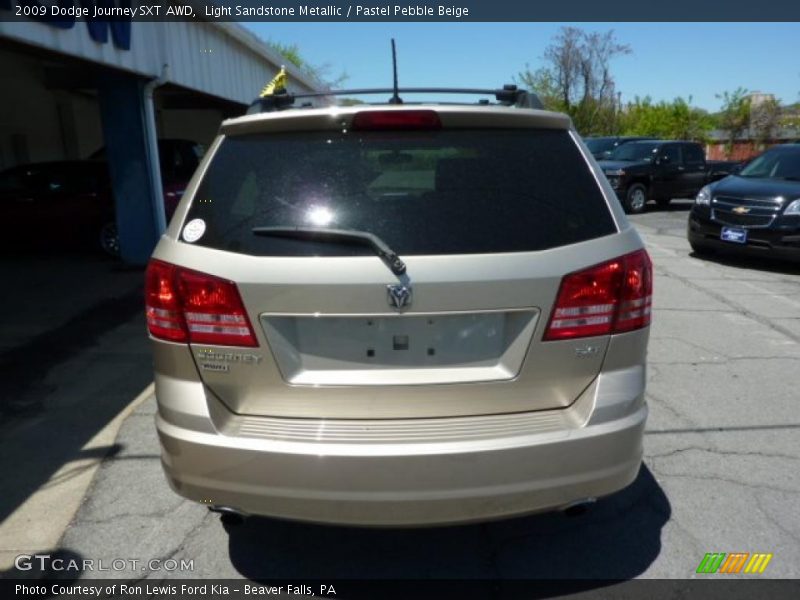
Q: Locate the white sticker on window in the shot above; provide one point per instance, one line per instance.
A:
(194, 230)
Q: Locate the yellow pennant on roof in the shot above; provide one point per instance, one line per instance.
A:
(277, 84)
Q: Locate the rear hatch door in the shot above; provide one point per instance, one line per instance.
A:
(487, 222)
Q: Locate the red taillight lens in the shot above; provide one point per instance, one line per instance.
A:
(396, 119)
(612, 297)
(162, 303)
(188, 306)
(636, 297)
(213, 311)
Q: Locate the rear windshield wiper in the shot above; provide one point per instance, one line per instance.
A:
(348, 236)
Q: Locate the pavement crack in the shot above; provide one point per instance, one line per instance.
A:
(705, 477)
(722, 361)
(188, 537)
(692, 310)
(155, 514)
(678, 451)
(694, 540)
(735, 306)
(666, 405)
(695, 345)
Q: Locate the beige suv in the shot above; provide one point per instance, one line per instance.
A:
(399, 315)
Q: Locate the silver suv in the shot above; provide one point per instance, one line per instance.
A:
(399, 315)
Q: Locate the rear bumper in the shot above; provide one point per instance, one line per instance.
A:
(782, 243)
(394, 483)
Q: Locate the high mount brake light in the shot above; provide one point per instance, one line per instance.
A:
(189, 306)
(383, 120)
(612, 297)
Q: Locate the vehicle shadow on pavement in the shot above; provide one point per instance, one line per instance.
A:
(750, 262)
(32, 569)
(616, 540)
(674, 206)
(74, 347)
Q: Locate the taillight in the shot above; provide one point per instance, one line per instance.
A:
(612, 297)
(162, 304)
(636, 295)
(188, 306)
(396, 119)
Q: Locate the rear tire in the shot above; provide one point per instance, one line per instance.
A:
(109, 239)
(635, 199)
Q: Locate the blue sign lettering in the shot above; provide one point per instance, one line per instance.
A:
(120, 28)
(98, 30)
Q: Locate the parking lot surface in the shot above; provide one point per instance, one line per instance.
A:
(73, 358)
(721, 470)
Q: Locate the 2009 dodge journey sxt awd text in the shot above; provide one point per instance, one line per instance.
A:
(399, 315)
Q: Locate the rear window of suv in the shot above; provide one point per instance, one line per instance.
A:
(422, 192)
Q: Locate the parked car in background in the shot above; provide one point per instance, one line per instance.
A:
(71, 202)
(660, 170)
(55, 204)
(172, 192)
(394, 317)
(602, 147)
(755, 211)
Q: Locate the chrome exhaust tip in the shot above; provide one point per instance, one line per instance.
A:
(229, 515)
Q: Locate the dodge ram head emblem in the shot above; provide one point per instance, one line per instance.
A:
(741, 210)
(399, 296)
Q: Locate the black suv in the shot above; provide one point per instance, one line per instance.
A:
(756, 211)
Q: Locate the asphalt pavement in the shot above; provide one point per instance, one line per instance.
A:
(74, 358)
(721, 470)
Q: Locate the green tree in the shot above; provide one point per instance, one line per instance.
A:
(734, 118)
(766, 118)
(542, 82)
(676, 119)
(577, 79)
(790, 116)
(689, 122)
(290, 52)
(322, 73)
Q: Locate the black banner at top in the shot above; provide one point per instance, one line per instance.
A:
(394, 11)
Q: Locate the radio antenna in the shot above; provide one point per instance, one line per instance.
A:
(395, 99)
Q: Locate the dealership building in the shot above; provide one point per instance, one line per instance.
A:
(71, 87)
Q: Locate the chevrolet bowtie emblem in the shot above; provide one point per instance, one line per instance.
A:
(741, 210)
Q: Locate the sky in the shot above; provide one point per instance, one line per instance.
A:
(668, 60)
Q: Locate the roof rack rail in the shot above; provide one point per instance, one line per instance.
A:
(509, 95)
